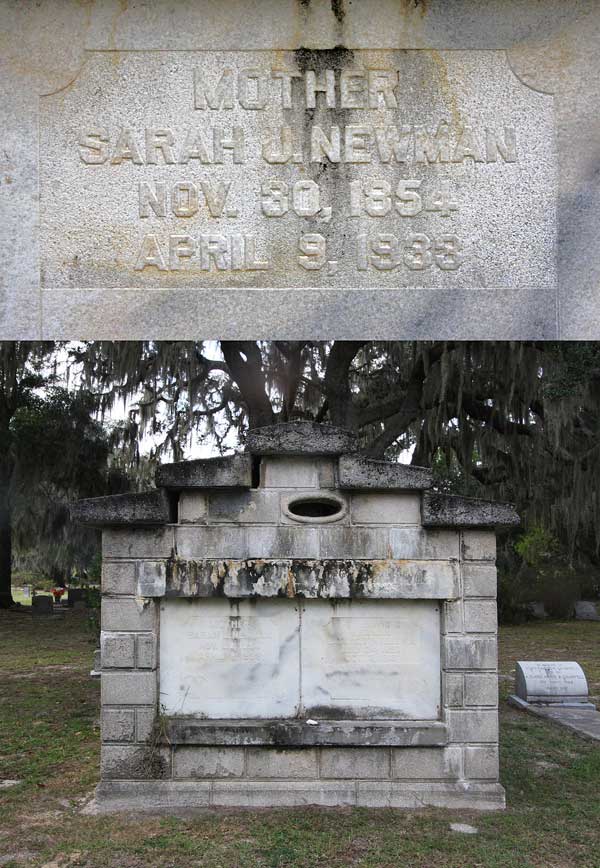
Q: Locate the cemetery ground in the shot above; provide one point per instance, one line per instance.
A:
(49, 741)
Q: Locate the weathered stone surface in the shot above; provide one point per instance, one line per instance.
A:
(145, 651)
(145, 719)
(300, 438)
(145, 508)
(160, 796)
(385, 507)
(151, 579)
(139, 543)
(312, 578)
(117, 650)
(128, 688)
(481, 688)
(134, 762)
(355, 763)
(231, 471)
(208, 762)
(283, 763)
(118, 724)
(550, 681)
(357, 472)
(473, 726)
(470, 652)
(298, 733)
(192, 507)
(427, 763)
(452, 689)
(127, 615)
(245, 507)
(481, 616)
(481, 762)
(413, 794)
(291, 471)
(440, 510)
(419, 544)
(479, 580)
(479, 545)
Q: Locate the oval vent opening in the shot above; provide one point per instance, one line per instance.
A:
(315, 507)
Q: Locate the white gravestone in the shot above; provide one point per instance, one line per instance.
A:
(546, 682)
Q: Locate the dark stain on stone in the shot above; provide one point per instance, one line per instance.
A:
(337, 7)
(320, 59)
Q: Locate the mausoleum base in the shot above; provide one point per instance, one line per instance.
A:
(169, 796)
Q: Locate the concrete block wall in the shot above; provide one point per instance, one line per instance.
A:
(254, 523)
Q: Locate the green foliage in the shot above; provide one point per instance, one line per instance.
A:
(537, 546)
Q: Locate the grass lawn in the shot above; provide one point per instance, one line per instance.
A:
(49, 740)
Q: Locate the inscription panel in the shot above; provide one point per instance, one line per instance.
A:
(226, 659)
(371, 659)
(333, 168)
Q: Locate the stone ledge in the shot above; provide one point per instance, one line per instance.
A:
(300, 438)
(446, 510)
(297, 733)
(169, 796)
(136, 508)
(231, 471)
(365, 473)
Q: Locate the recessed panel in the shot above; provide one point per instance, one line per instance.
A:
(365, 658)
(337, 168)
(227, 659)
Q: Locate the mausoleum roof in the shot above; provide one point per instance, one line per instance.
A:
(352, 472)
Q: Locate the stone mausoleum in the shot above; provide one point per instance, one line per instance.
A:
(296, 624)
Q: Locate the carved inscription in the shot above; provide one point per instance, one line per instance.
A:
(308, 168)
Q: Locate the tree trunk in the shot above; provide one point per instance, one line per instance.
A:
(6, 599)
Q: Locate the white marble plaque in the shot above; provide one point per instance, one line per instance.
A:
(227, 659)
(371, 658)
(550, 681)
(328, 169)
(374, 659)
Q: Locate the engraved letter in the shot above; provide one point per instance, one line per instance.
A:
(184, 199)
(96, 142)
(253, 89)
(150, 254)
(390, 143)
(180, 247)
(286, 86)
(381, 84)
(507, 148)
(235, 144)
(153, 199)
(159, 140)
(432, 148)
(220, 97)
(352, 89)
(321, 146)
(215, 198)
(279, 147)
(126, 149)
(357, 141)
(193, 149)
(313, 88)
(252, 263)
(213, 247)
(467, 146)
